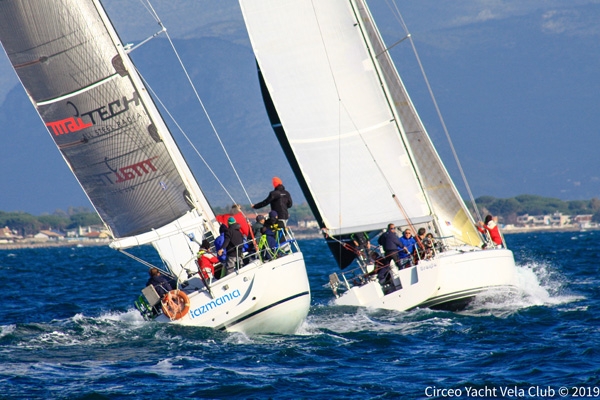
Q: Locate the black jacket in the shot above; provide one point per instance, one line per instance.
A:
(280, 200)
(233, 240)
(390, 241)
(160, 283)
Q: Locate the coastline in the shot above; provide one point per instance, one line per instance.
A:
(50, 244)
(570, 228)
(303, 234)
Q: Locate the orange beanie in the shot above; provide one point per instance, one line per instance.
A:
(276, 182)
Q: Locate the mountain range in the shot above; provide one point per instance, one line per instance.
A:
(516, 83)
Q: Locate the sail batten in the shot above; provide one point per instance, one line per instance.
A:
(78, 92)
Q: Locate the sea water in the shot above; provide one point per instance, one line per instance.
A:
(68, 330)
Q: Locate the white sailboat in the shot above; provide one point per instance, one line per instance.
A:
(362, 155)
(98, 111)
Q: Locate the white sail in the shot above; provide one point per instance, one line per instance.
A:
(453, 217)
(340, 126)
(346, 122)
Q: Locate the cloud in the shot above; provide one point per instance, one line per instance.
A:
(576, 17)
(481, 16)
(570, 22)
(555, 21)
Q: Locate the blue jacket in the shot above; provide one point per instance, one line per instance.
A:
(409, 244)
(219, 240)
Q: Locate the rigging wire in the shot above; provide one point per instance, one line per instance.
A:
(152, 11)
(147, 84)
(398, 15)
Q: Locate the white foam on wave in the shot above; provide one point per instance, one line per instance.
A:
(342, 320)
(543, 285)
(538, 285)
(80, 329)
(131, 315)
(7, 330)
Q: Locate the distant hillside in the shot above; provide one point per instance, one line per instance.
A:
(518, 91)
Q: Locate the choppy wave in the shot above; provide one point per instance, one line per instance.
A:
(91, 343)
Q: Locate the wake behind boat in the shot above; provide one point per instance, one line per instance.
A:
(363, 157)
(98, 111)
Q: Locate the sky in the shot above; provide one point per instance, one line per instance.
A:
(516, 82)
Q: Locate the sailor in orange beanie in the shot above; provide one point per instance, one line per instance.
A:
(279, 199)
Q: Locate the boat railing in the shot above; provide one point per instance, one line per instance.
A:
(367, 270)
(353, 277)
(251, 250)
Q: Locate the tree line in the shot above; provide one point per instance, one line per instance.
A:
(510, 208)
(27, 224)
(507, 209)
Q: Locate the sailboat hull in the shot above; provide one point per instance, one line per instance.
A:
(449, 281)
(271, 297)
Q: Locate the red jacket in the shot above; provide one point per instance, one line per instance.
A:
(206, 262)
(493, 230)
(239, 218)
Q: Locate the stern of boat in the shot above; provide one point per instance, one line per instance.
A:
(465, 273)
(261, 297)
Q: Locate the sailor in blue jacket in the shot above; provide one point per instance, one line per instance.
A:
(219, 243)
(407, 249)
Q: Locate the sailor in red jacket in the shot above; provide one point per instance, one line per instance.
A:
(236, 213)
(492, 228)
(206, 260)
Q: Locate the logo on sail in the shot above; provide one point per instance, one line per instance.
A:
(71, 124)
(104, 113)
(138, 169)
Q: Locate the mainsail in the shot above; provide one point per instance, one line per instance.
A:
(87, 92)
(346, 123)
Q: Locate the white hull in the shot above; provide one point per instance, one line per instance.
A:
(449, 281)
(273, 297)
